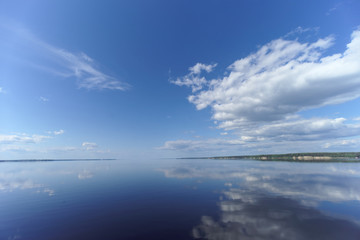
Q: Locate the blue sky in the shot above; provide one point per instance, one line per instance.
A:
(134, 79)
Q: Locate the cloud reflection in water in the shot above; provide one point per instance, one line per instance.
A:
(305, 182)
(273, 218)
(267, 200)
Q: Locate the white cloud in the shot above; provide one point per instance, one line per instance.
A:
(331, 10)
(89, 145)
(61, 131)
(22, 138)
(200, 145)
(193, 79)
(354, 143)
(300, 30)
(84, 68)
(247, 145)
(199, 67)
(261, 95)
(300, 129)
(14, 148)
(43, 99)
(282, 78)
(25, 145)
(2, 90)
(46, 57)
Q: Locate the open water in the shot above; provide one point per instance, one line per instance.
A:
(179, 199)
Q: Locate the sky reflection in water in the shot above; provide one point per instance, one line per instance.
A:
(179, 199)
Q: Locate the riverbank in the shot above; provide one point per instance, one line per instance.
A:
(306, 157)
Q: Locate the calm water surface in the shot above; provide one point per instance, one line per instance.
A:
(179, 199)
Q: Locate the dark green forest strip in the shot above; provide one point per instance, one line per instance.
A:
(311, 157)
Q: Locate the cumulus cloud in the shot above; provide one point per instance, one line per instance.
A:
(282, 78)
(261, 95)
(244, 145)
(193, 79)
(300, 129)
(354, 143)
(61, 131)
(199, 67)
(292, 135)
(201, 145)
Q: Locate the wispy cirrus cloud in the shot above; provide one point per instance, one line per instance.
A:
(334, 8)
(301, 30)
(261, 95)
(85, 69)
(46, 57)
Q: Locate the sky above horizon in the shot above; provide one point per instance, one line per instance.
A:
(140, 79)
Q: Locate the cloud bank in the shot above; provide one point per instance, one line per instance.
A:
(282, 78)
(261, 95)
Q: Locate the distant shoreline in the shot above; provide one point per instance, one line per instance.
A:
(58, 160)
(294, 157)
